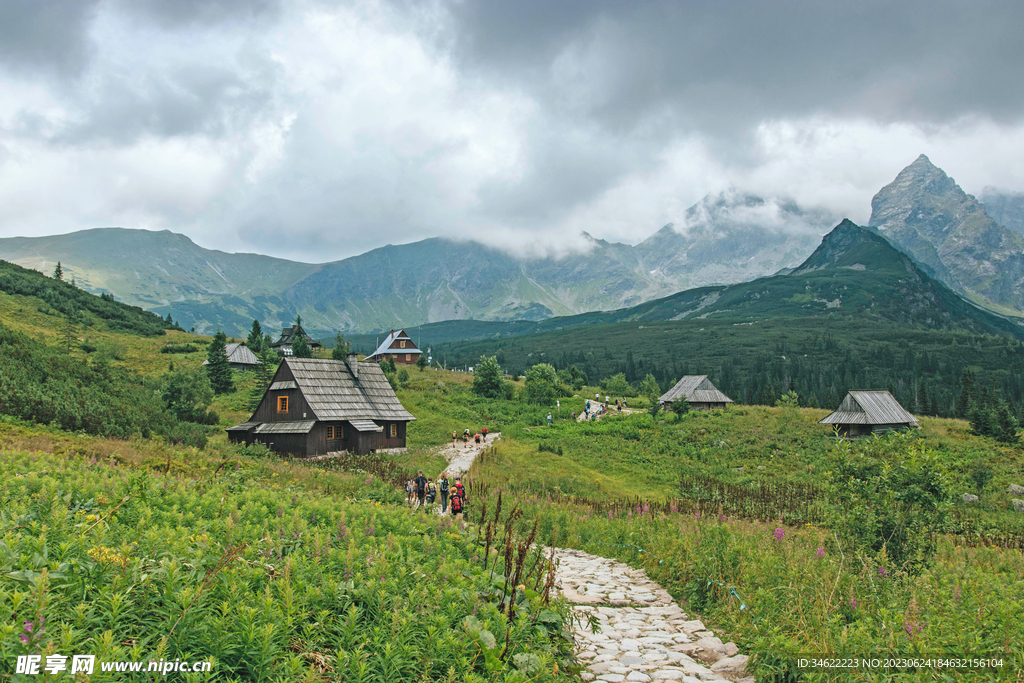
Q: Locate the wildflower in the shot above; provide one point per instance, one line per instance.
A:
(853, 603)
(912, 628)
(721, 518)
(821, 552)
(779, 534)
(280, 511)
(369, 479)
(28, 626)
(883, 572)
(25, 638)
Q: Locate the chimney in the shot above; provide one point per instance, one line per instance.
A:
(352, 361)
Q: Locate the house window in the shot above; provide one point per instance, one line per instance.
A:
(408, 356)
(394, 429)
(330, 433)
(282, 404)
(402, 344)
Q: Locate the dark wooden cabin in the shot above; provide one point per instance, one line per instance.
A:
(397, 346)
(288, 337)
(317, 405)
(698, 391)
(869, 412)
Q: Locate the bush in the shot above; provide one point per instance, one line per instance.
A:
(890, 497)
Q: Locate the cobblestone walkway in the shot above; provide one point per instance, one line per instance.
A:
(643, 635)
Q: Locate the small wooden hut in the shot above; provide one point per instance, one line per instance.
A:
(698, 391)
(289, 335)
(240, 357)
(397, 346)
(869, 412)
(317, 405)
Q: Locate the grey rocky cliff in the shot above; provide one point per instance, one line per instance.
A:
(925, 213)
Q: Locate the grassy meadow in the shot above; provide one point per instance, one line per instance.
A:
(774, 533)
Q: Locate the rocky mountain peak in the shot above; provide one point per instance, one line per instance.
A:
(930, 217)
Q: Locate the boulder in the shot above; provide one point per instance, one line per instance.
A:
(970, 498)
(1015, 490)
(733, 665)
(1018, 504)
(727, 650)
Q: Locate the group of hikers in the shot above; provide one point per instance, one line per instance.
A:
(477, 437)
(592, 412)
(421, 492)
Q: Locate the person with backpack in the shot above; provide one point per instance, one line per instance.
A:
(442, 487)
(460, 491)
(431, 493)
(455, 437)
(421, 487)
(484, 432)
(457, 505)
(476, 437)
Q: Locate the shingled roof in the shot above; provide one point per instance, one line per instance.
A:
(288, 337)
(334, 394)
(395, 335)
(240, 354)
(695, 389)
(870, 408)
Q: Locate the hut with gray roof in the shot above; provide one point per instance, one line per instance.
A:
(698, 391)
(869, 412)
(316, 406)
(240, 357)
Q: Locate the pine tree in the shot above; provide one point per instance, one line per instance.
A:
(966, 395)
(58, 272)
(263, 377)
(67, 334)
(421, 362)
(218, 368)
(1005, 424)
(255, 339)
(300, 347)
(340, 350)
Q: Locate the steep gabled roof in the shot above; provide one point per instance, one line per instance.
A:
(695, 389)
(334, 394)
(870, 408)
(239, 353)
(395, 335)
(288, 335)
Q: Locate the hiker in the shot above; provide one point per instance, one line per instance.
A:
(549, 418)
(455, 437)
(459, 491)
(458, 505)
(483, 430)
(476, 437)
(421, 488)
(431, 493)
(442, 487)
(409, 488)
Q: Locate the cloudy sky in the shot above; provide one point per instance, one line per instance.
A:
(317, 131)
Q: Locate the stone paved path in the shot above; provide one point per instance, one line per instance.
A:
(644, 635)
(595, 407)
(460, 457)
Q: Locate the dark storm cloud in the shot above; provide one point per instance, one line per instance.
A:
(48, 36)
(720, 65)
(186, 13)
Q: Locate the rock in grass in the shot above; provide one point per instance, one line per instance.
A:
(969, 498)
(1015, 490)
(1018, 504)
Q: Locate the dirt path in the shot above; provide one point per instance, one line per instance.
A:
(595, 411)
(644, 635)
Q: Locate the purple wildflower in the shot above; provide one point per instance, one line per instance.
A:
(883, 572)
(28, 626)
(821, 552)
(779, 534)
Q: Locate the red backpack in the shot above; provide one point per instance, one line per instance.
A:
(456, 504)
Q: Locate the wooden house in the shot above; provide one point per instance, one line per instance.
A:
(317, 405)
(698, 391)
(869, 412)
(240, 357)
(397, 346)
(288, 337)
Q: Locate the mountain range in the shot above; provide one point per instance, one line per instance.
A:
(725, 238)
(975, 247)
(855, 273)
